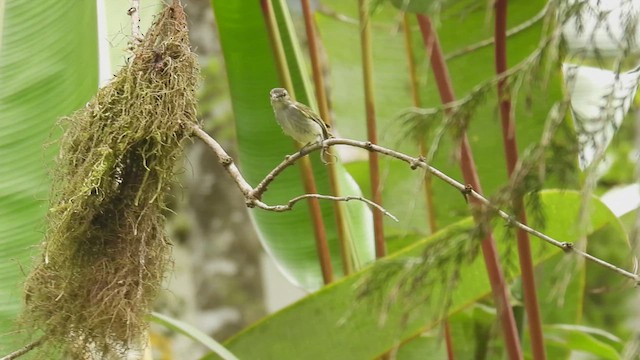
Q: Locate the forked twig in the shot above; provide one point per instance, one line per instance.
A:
(252, 196)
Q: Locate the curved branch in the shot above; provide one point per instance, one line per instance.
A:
(252, 194)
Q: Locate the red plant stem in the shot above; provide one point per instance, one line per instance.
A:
(343, 235)
(511, 153)
(372, 136)
(316, 65)
(470, 175)
(428, 188)
(319, 231)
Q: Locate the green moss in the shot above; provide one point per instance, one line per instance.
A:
(105, 250)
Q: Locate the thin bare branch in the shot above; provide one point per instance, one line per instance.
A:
(226, 161)
(252, 194)
(289, 206)
(134, 12)
(25, 349)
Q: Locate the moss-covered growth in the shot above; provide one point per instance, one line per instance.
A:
(105, 251)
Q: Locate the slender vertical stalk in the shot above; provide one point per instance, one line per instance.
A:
(372, 136)
(511, 153)
(422, 147)
(415, 99)
(305, 166)
(338, 208)
(470, 175)
(635, 238)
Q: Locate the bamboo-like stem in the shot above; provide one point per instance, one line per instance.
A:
(422, 147)
(320, 234)
(415, 100)
(511, 154)
(470, 175)
(372, 134)
(635, 238)
(344, 239)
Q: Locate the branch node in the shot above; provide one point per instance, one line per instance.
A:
(415, 163)
(255, 195)
(250, 202)
(468, 189)
(226, 160)
(567, 247)
(368, 145)
(510, 221)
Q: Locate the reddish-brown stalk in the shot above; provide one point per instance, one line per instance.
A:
(511, 153)
(307, 175)
(372, 135)
(470, 175)
(318, 81)
(422, 147)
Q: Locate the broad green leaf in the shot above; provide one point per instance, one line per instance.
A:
(288, 237)
(616, 294)
(48, 68)
(341, 321)
(193, 333)
(585, 339)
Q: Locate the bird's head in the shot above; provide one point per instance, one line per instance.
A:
(279, 94)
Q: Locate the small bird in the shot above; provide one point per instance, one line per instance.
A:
(298, 120)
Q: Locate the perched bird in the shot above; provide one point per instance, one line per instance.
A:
(298, 120)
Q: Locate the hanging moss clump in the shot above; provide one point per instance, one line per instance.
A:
(105, 251)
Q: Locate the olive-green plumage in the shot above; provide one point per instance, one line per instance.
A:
(298, 120)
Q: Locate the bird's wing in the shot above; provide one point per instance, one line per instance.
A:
(313, 116)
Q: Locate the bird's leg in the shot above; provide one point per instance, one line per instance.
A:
(325, 151)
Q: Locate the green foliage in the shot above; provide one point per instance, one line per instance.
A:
(595, 342)
(193, 333)
(399, 300)
(48, 68)
(396, 299)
